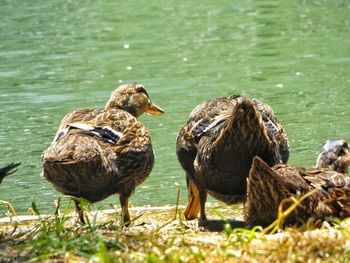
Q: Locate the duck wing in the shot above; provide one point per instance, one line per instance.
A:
(335, 189)
(85, 135)
(105, 133)
(77, 116)
(326, 180)
(206, 117)
(104, 152)
(275, 130)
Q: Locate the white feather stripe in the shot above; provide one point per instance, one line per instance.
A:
(87, 127)
(119, 134)
(81, 126)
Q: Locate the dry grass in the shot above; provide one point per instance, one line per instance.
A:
(157, 236)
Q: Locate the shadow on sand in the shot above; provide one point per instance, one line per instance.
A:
(217, 225)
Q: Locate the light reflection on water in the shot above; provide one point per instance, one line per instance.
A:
(57, 57)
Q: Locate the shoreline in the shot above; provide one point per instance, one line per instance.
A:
(156, 234)
(25, 218)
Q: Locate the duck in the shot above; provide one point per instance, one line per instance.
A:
(7, 170)
(334, 155)
(217, 144)
(100, 152)
(324, 190)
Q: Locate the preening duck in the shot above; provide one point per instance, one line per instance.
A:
(326, 186)
(217, 145)
(100, 152)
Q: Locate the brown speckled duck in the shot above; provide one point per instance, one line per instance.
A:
(7, 170)
(334, 155)
(326, 186)
(97, 153)
(217, 145)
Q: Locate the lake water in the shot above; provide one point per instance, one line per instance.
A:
(57, 56)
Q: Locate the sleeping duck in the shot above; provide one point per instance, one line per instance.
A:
(7, 170)
(326, 189)
(100, 152)
(217, 145)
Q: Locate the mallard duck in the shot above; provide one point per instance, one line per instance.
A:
(328, 189)
(7, 170)
(100, 152)
(217, 145)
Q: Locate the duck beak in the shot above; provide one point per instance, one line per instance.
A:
(153, 109)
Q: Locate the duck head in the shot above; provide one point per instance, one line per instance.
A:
(335, 154)
(134, 99)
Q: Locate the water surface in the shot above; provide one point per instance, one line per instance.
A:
(57, 56)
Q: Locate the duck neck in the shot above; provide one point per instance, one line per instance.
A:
(125, 107)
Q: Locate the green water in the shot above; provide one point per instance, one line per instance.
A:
(57, 56)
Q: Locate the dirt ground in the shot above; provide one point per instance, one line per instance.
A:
(159, 234)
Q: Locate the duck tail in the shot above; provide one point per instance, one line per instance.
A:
(244, 122)
(264, 193)
(8, 169)
(245, 131)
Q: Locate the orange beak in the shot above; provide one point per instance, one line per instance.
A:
(193, 206)
(153, 109)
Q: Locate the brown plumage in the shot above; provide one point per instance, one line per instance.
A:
(328, 189)
(217, 145)
(334, 155)
(7, 170)
(97, 153)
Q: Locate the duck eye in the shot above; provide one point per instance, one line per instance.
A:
(330, 161)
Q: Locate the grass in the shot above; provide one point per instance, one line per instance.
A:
(160, 235)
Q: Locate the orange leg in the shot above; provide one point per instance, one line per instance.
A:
(193, 206)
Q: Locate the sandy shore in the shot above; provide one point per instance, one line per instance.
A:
(161, 230)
